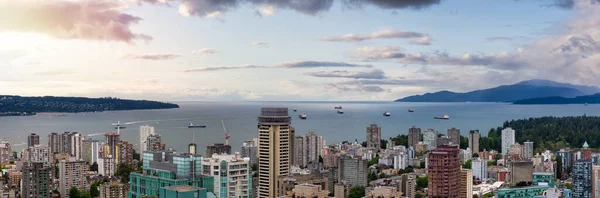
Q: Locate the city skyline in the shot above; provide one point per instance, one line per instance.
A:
(314, 50)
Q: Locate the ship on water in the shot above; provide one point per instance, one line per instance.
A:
(411, 110)
(302, 116)
(445, 117)
(387, 114)
(192, 125)
(340, 111)
(338, 107)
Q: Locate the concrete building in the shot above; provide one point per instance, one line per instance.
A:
(32, 140)
(182, 191)
(145, 131)
(107, 166)
(307, 149)
(37, 180)
(383, 192)
(154, 143)
(582, 179)
(373, 136)
(308, 190)
(90, 151)
(527, 150)
(443, 168)
(596, 181)
(444, 140)
(76, 140)
(508, 139)
(530, 191)
(521, 173)
(72, 172)
(430, 138)
(587, 152)
(14, 177)
(39, 154)
(543, 179)
(287, 184)
(273, 149)
(474, 141)
(454, 135)
(54, 143)
(408, 185)
(113, 189)
(400, 161)
(414, 136)
(353, 171)
(465, 155)
(480, 168)
(125, 153)
(111, 139)
(218, 148)
(232, 173)
(466, 183)
(250, 150)
(5, 152)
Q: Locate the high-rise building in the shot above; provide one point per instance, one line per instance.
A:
(341, 190)
(582, 179)
(111, 139)
(65, 142)
(76, 141)
(125, 153)
(479, 168)
(444, 140)
(249, 150)
(72, 173)
(54, 143)
(409, 185)
(307, 149)
(33, 139)
(587, 152)
(466, 183)
(299, 151)
(414, 136)
(527, 150)
(508, 139)
(90, 150)
(292, 137)
(273, 149)
(113, 189)
(145, 131)
(154, 143)
(443, 171)
(217, 148)
(521, 173)
(107, 166)
(430, 138)
(596, 181)
(400, 161)
(454, 135)
(39, 154)
(37, 180)
(474, 141)
(373, 136)
(233, 174)
(353, 171)
(5, 152)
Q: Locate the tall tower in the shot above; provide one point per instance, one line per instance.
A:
(111, 139)
(145, 131)
(444, 172)
(273, 149)
(373, 136)
(474, 141)
(32, 140)
(508, 138)
(414, 136)
(454, 135)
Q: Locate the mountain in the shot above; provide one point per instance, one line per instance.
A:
(508, 93)
(590, 99)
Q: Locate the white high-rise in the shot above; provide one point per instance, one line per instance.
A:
(527, 150)
(430, 138)
(39, 154)
(236, 181)
(400, 161)
(479, 167)
(145, 131)
(508, 138)
(76, 141)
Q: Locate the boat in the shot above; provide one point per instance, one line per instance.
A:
(445, 117)
(338, 107)
(411, 110)
(340, 111)
(387, 114)
(295, 110)
(191, 125)
(302, 116)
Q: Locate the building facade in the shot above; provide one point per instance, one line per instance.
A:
(54, 143)
(400, 161)
(76, 140)
(218, 148)
(373, 136)
(145, 131)
(113, 190)
(232, 175)
(443, 168)
(353, 171)
(72, 173)
(274, 141)
(37, 180)
(527, 150)
(125, 153)
(408, 184)
(596, 181)
(466, 183)
(430, 138)
(39, 154)
(307, 149)
(154, 143)
(508, 139)
(480, 168)
(454, 135)
(474, 141)
(90, 150)
(250, 150)
(5, 152)
(582, 179)
(32, 140)
(414, 136)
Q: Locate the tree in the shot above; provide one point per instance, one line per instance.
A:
(74, 192)
(419, 195)
(569, 186)
(371, 176)
(475, 155)
(94, 192)
(422, 164)
(373, 161)
(498, 156)
(464, 142)
(475, 196)
(136, 155)
(320, 159)
(94, 167)
(383, 144)
(357, 192)
(467, 164)
(422, 182)
(123, 171)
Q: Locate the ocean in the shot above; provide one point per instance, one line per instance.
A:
(240, 119)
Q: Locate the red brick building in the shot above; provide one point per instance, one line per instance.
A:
(444, 172)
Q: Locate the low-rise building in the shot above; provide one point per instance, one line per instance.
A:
(113, 189)
(383, 192)
(308, 190)
(530, 191)
(14, 177)
(182, 191)
(543, 179)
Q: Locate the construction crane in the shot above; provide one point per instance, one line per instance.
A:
(226, 133)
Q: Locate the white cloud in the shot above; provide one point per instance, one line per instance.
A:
(416, 37)
(260, 44)
(369, 74)
(205, 51)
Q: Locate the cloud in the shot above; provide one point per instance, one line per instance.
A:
(55, 72)
(354, 88)
(392, 4)
(266, 11)
(370, 74)
(205, 51)
(206, 8)
(309, 7)
(312, 64)
(416, 37)
(150, 56)
(63, 19)
(225, 68)
(504, 38)
(260, 44)
(376, 53)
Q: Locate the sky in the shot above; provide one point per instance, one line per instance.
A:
(271, 50)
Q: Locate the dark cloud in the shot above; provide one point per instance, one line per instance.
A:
(225, 68)
(416, 37)
(150, 56)
(370, 74)
(584, 45)
(310, 7)
(312, 64)
(211, 8)
(206, 8)
(392, 4)
(62, 19)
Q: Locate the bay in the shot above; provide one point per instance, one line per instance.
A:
(240, 119)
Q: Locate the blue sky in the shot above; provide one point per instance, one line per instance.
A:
(198, 50)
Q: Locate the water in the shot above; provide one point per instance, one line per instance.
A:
(240, 120)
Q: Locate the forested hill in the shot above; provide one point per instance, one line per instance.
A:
(17, 105)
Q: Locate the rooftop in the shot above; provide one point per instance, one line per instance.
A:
(182, 188)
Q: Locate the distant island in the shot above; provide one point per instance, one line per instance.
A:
(590, 99)
(24, 106)
(508, 93)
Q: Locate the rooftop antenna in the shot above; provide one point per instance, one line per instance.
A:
(226, 133)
